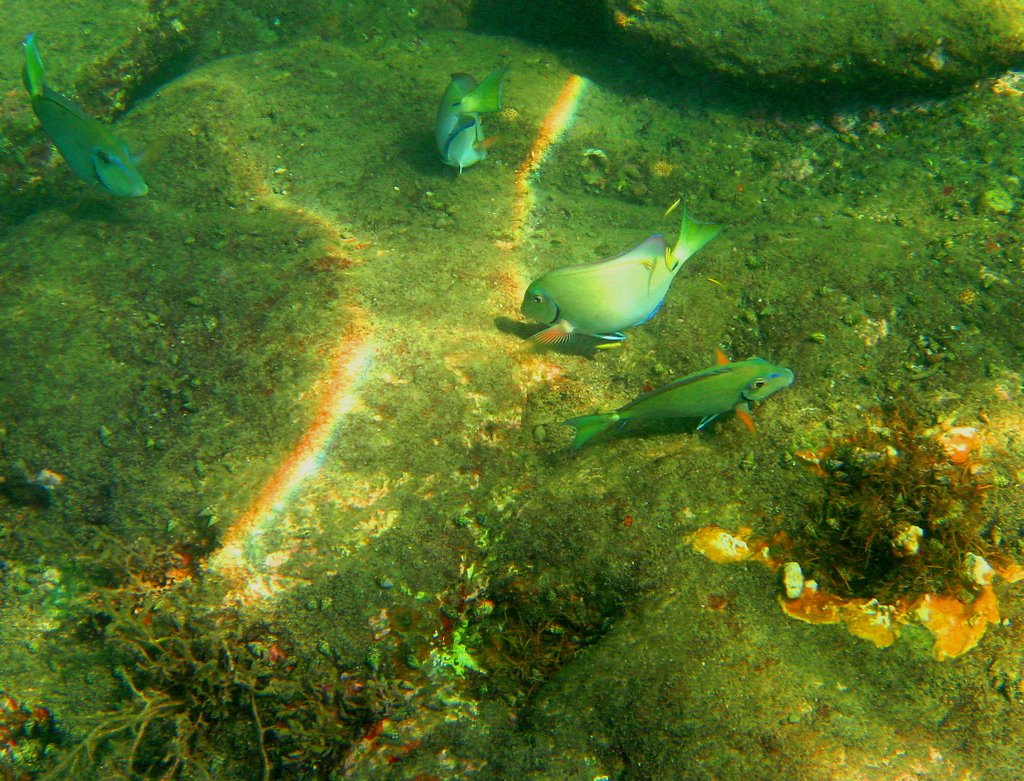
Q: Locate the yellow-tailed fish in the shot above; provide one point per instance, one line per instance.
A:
(458, 130)
(91, 149)
(706, 395)
(605, 297)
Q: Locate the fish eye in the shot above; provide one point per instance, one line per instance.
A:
(758, 383)
(538, 299)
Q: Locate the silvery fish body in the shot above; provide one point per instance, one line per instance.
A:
(605, 297)
(458, 129)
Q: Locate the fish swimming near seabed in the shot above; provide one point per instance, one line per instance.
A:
(706, 394)
(90, 147)
(458, 129)
(603, 298)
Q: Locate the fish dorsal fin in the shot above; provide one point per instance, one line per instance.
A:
(464, 83)
(72, 111)
(646, 252)
(720, 357)
(689, 379)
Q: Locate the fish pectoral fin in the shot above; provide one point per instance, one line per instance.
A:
(559, 333)
(743, 413)
(707, 419)
(486, 143)
(720, 357)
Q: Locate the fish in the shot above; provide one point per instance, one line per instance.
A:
(91, 149)
(458, 129)
(605, 297)
(706, 394)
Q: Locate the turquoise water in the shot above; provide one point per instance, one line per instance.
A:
(285, 487)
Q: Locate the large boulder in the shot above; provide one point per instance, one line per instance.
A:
(878, 45)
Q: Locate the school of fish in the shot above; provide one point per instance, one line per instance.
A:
(599, 300)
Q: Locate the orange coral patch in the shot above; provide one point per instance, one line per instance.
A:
(863, 618)
(956, 626)
(814, 607)
(719, 545)
(870, 620)
(959, 442)
(1011, 573)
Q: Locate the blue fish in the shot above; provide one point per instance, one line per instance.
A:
(91, 149)
(458, 129)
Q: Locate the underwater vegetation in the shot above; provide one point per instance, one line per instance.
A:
(27, 734)
(198, 677)
(902, 535)
(527, 641)
(899, 511)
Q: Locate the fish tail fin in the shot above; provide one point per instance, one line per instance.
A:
(485, 97)
(589, 426)
(32, 73)
(692, 236)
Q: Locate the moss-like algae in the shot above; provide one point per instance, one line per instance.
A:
(891, 476)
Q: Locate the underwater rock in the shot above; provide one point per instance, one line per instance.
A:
(792, 580)
(883, 46)
(674, 682)
(907, 540)
(25, 491)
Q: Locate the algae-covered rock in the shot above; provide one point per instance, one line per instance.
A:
(878, 45)
(186, 362)
(99, 53)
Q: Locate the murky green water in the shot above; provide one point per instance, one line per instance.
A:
(284, 487)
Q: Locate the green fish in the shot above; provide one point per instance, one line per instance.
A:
(605, 297)
(705, 395)
(91, 149)
(458, 129)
